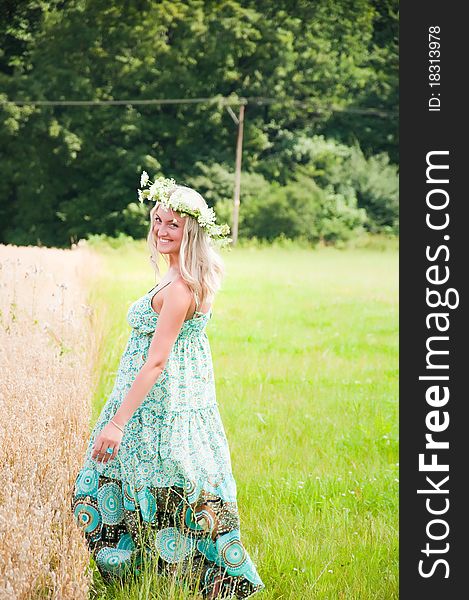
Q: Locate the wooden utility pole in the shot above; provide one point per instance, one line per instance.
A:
(237, 185)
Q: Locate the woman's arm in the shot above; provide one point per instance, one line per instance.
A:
(170, 320)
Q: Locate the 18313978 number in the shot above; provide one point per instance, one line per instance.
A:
(434, 67)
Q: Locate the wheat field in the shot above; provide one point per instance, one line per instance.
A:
(48, 336)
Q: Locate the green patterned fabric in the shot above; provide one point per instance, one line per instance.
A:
(172, 475)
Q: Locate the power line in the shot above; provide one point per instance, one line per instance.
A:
(308, 103)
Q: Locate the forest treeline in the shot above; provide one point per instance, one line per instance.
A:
(322, 170)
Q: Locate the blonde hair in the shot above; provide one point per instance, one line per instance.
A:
(202, 268)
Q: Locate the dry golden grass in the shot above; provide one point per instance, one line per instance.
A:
(48, 341)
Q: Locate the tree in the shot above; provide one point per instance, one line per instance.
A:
(71, 171)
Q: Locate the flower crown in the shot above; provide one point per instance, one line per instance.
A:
(159, 191)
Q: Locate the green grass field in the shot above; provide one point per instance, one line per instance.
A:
(305, 351)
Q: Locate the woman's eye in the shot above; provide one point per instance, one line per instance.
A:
(158, 220)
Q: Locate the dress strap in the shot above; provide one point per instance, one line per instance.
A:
(195, 295)
(159, 289)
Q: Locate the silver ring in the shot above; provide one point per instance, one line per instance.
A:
(110, 450)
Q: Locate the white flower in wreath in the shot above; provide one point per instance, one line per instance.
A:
(184, 199)
(144, 178)
(154, 189)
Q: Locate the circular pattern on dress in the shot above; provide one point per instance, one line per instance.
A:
(145, 471)
(147, 505)
(169, 468)
(210, 575)
(110, 503)
(129, 501)
(146, 451)
(126, 542)
(113, 560)
(147, 416)
(87, 517)
(189, 520)
(139, 485)
(147, 435)
(233, 554)
(164, 378)
(189, 487)
(206, 547)
(160, 480)
(206, 519)
(132, 426)
(173, 546)
(185, 518)
(87, 482)
(137, 360)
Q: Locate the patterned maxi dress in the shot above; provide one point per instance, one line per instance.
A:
(169, 495)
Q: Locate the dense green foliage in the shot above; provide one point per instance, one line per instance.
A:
(68, 172)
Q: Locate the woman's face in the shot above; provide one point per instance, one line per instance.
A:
(168, 228)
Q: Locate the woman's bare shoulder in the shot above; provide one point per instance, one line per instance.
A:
(180, 285)
(180, 289)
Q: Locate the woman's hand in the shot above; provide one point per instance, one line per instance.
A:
(110, 437)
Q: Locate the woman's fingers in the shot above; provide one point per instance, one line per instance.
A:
(108, 456)
(100, 454)
(99, 449)
(96, 449)
(103, 454)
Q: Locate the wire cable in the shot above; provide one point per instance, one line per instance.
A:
(308, 103)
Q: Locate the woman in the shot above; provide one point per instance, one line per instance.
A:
(157, 481)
